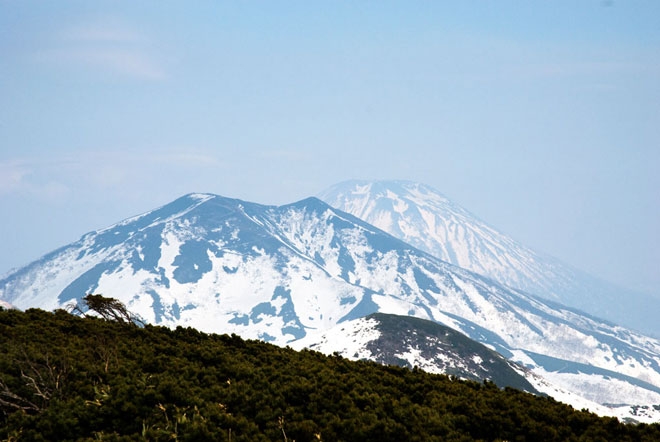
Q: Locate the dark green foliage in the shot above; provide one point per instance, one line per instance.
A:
(70, 378)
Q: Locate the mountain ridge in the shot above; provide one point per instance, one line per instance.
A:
(277, 273)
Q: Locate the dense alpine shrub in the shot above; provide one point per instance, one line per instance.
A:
(68, 378)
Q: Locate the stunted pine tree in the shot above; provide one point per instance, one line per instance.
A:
(110, 309)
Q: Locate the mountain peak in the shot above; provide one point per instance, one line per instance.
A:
(381, 188)
(311, 202)
(423, 217)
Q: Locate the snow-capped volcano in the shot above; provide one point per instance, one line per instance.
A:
(426, 219)
(281, 273)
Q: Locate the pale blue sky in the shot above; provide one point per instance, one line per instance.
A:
(542, 118)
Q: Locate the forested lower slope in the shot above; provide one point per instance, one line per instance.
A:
(68, 378)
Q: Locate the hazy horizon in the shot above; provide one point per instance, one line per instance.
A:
(541, 119)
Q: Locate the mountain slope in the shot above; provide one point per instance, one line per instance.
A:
(426, 219)
(279, 273)
(412, 342)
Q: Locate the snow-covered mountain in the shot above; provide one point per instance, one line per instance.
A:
(280, 273)
(426, 219)
(413, 342)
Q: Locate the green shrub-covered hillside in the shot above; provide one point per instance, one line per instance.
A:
(63, 377)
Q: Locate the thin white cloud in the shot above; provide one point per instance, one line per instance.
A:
(563, 68)
(107, 47)
(55, 177)
(12, 176)
(127, 62)
(492, 59)
(188, 158)
(26, 178)
(102, 32)
(285, 154)
(54, 191)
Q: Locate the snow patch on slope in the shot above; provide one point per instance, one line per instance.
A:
(349, 340)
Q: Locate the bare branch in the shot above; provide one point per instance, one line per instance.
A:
(10, 400)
